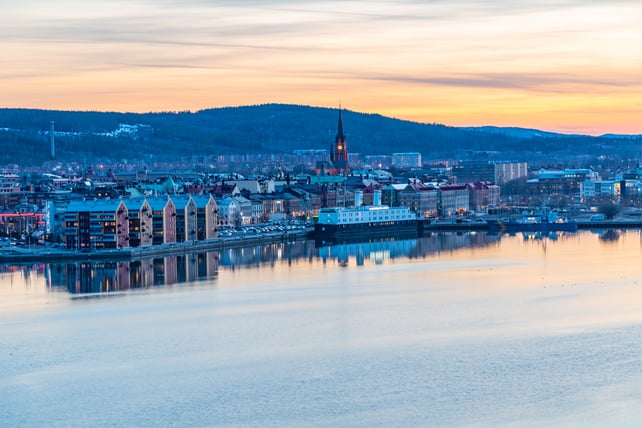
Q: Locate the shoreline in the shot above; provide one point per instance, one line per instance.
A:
(163, 250)
(222, 243)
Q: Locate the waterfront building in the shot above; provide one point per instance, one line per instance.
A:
(186, 218)
(566, 182)
(98, 224)
(309, 202)
(22, 220)
(163, 220)
(483, 195)
(206, 217)
(630, 188)
(420, 198)
(590, 189)
(453, 200)
(140, 222)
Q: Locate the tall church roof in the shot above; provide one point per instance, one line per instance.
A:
(340, 135)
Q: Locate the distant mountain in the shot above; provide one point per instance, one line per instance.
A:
(622, 136)
(518, 132)
(271, 128)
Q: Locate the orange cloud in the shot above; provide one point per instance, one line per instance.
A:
(570, 66)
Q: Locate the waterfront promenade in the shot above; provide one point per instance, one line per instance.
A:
(18, 255)
(454, 225)
(47, 254)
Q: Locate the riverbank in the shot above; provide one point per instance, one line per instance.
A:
(454, 225)
(22, 255)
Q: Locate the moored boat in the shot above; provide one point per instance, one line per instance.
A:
(547, 221)
(365, 221)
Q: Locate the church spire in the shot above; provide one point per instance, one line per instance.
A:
(339, 151)
(340, 135)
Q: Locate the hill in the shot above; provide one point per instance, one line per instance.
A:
(270, 128)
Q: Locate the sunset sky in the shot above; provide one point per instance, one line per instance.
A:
(559, 65)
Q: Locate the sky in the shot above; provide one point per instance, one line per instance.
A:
(571, 66)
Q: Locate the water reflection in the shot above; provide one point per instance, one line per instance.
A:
(382, 250)
(610, 235)
(114, 276)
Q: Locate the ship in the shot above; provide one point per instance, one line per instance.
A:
(544, 222)
(365, 221)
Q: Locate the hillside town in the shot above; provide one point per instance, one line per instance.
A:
(118, 206)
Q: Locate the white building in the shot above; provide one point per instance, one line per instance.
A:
(507, 171)
(229, 212)
(453, 200)
(599, 188)
(245, 209)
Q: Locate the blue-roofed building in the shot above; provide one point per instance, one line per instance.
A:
(96, 224)
(186, 218)
(163, 220)
(140, 222)
(206, 216)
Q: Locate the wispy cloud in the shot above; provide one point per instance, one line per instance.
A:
(373, 51)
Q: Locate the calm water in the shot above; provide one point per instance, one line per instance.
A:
(447, 330)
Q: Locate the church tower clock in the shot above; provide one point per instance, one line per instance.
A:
(339, 152)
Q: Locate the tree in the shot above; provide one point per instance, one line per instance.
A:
(609, 209)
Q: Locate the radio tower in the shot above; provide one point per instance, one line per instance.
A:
(52, 142)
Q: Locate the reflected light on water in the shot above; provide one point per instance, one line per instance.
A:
(397, 333)
(583, 278)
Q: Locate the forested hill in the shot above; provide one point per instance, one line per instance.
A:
(270, 128)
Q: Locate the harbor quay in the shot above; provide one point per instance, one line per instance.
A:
(453, 225)
(424, 226)
(19, 255)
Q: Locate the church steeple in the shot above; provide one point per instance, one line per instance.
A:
(340, 135)
(340, 149)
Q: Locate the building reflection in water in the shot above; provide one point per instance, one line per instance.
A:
(114, 276)
(378, 251)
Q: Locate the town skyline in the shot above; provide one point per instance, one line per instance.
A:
(569, 67)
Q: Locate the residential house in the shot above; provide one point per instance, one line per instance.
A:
(163, 220)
